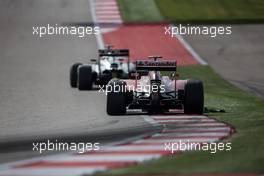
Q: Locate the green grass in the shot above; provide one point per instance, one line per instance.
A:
(226, 11)
(139, 11)
(193, 11)
(244, 111)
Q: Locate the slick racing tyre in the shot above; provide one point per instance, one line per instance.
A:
(193, 97)
(74, 74)
(116, 99)
(85, 77)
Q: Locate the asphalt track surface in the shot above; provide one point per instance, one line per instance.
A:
(36, 101)
(239, 57)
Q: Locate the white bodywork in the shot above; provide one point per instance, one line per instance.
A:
(106, 62)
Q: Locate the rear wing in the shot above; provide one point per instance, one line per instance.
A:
(156, 65)
(114, 52)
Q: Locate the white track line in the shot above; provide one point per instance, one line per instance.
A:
(108, 13)
(95, 158)
(194, 134)
(133, 148)
(197, 124)
(191, 50)
(226, 128)
(187, 120)
(176, 140)
(105, 3)
(99, 38)
(179, 116)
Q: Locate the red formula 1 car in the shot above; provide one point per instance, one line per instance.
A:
(155, 89)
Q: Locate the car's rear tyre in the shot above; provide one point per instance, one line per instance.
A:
(74, 74)
(116, 100)
(193, 97)
(85, 77)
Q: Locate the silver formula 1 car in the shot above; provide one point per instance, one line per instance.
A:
(111, 63)
(155, 89)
